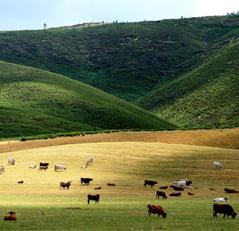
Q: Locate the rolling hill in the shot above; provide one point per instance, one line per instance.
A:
(184, 70)
(34, 102)
(206, 97)
(125, 59)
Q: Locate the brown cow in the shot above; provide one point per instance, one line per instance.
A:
(95, 198)
(156, 209)
(190, 194)
(227, 190)
(65, 185)
(161, 194)
(224, 209)
(10, 216)
(175, 194)
(111, 184)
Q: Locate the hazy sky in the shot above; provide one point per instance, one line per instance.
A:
(31, 14)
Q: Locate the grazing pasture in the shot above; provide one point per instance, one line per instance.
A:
(40, 204)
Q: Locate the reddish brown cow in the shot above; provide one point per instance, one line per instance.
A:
(10, 216)
(156, 209)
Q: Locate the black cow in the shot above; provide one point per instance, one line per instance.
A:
(85, 181)
(224, 209)
(150, 183)
(95, 198)
(175, 194)
(227, 190)
(161, 194)
(43, 166)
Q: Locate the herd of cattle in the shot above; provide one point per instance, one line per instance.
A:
(178, 185)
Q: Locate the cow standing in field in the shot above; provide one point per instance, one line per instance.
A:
(217, 165)
(85, 181)
(59, 167)
(224, 209)
(151, 183)
(10, 161)
(95, 198)
(65, 185)
(43, 166)
(156, 209)
(161, 194)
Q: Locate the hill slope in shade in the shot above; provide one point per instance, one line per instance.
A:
(125, 59)
(33, 102)
(206, 97)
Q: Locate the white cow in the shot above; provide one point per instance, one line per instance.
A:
(224, 199)
(180, 183)
(11, 161)
(59, 167)
(217, 165)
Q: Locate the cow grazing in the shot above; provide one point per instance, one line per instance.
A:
(156, 209)
(98, 188)
(163, 187)
(174, 194)
(161, 194)
(85, 181)
(224, 199)
(95, 198)
(224, 209)
(217, 165)
(65, 185)
(43, 166)
(20, 182)
(111, 184)
(10, 161)
(59, 167)
(177, 188)
(190, 194)
(151, 183)
(10, 216)
(227, 190)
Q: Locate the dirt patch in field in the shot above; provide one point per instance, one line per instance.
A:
(223, 138)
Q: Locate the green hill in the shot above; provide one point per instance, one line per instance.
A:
(34, 102)
(206, 97)
(125, 59)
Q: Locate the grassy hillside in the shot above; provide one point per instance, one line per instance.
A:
(34, 102)
(127, 164)
(125, 59)
(206, 97)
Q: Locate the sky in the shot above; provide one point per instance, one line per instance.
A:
(31, 14)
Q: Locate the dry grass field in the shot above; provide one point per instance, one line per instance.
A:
(127, 164)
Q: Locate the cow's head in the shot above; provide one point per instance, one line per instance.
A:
(234, 215)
